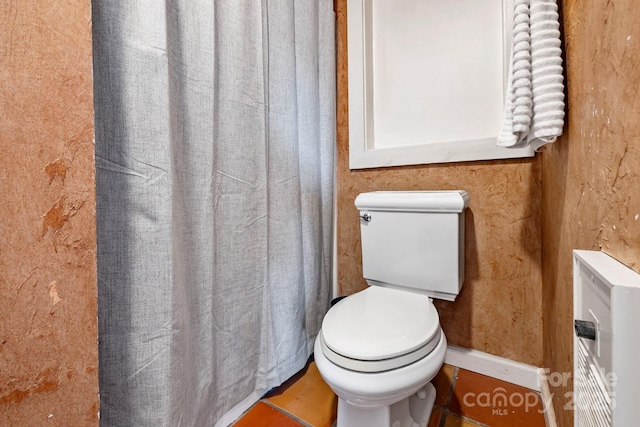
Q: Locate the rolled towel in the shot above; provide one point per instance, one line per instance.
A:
(534, 105)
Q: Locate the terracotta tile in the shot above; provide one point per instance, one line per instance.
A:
(309, 398)
(263, 415)
(453, 421)
(436, 415)
(496, 403)
(442, 382)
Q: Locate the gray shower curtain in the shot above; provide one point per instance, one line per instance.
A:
(214, 167)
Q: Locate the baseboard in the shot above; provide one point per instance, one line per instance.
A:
(493, 366)
(506, 370)
(547, 400)
(236, 412)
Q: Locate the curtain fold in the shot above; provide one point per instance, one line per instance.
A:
(215, 135)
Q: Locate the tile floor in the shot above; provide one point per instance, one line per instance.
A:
(463, 399)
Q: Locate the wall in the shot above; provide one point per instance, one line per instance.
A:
(48, 309)
(499, 308)
(590, 185)
(590, 198)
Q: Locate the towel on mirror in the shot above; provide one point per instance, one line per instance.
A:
(534, 105)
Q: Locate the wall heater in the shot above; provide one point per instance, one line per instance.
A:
(606, 342)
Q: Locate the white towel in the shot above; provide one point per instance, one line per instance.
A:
(534, 107)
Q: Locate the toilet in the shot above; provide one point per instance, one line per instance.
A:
(379, 349)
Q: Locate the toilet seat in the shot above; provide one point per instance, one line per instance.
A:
(379, 329)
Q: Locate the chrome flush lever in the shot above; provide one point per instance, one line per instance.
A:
(366, 217)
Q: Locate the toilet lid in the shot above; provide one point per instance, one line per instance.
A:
(380, 323)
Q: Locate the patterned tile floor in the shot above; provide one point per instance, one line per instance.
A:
(463, 399)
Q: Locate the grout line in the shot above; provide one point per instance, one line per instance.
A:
(445, 409)
(447, 413)
(282, 411)
(474, 422)
(246, 411)
(443, 417)
(454, 380)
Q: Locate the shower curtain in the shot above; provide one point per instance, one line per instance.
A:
(215, 124)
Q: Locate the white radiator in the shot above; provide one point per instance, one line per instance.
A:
(606, 342)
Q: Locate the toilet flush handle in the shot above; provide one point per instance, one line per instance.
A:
(365, 217)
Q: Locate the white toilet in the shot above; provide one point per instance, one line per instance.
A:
(379, 348)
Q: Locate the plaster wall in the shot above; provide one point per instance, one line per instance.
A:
(586, 185)
(48, 305)
(499, 308)
(590, 185)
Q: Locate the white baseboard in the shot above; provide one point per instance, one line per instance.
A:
(487, 364)
(493, 366)
(507, 370)
(547, 400)
(236, 412)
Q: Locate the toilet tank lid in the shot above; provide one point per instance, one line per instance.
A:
(414, 201)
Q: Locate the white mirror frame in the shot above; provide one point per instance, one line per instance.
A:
(362, 152)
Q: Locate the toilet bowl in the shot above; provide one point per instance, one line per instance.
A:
(378, 349)
(370, 389)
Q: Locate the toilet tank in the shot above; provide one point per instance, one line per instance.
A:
(414, 240)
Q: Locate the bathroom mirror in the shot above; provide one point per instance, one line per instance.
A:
(427, 80)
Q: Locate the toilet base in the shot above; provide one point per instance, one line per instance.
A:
(413, 411)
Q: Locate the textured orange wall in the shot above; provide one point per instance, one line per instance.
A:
(48, 308)
(499, 308)
(590, 184)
